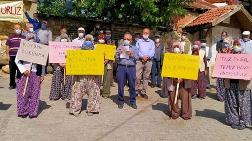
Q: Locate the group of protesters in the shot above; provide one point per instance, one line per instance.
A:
(138, 59)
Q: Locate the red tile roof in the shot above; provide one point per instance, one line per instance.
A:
(202, 4)
(211, 15)
(183, 21)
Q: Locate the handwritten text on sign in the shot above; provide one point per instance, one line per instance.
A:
(57, 53)
(180, 66)
(233, 66)
(109, 50)
(33, 52)
(84, 62)
(11, 10)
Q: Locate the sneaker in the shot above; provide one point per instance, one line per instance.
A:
(194, 96)
(238, 127)
(152, 85)
(32, 117)
(144, 96)
(12, 87)
(22, 116)
(120, 106)
(134, 106)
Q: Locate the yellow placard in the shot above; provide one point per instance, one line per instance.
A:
(84, 62)
(180, 66)
(108, 50)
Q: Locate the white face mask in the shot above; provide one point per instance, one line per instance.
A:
(18, 31)
(183, 38)
(157, 40)
(81, 35)
(63, 40)
(101, 41)
(31, 29)
(176, 50)
(126, 43)
(145, 37)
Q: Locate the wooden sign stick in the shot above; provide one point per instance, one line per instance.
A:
(26, 82)
(176, 96)
(64, 75)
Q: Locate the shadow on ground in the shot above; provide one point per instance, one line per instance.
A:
(161, 107)
(43, 106)
(4, 106)
(126, 99)
(213, 114)
(84, 105)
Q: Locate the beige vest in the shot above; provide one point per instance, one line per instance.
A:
(202, 65)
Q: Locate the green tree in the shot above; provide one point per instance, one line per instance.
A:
(144, 12)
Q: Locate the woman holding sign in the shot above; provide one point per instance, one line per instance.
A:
(28, 85)
(61, 84)
(86, 84)
(220, 88)
(178, 89)
(238, 99)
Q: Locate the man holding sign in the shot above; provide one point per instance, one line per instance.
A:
(126, 56)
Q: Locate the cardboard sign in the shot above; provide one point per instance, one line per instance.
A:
(84, 62)
(33, 52)
(57, 50)
(233, 66)
(180, 66)
(109, 50)
(11, 11)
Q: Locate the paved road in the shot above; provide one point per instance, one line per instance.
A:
(148, 123)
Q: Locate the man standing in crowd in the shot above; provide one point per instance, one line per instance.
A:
(81, 34)
(219, 44)
(156, 64)
(146, 48)
(44, 34)
(13, 42)
(185, 44)
(208, 57)
(35, 21)
(246, 43)
(126, 57)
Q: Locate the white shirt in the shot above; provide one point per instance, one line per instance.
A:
(79, 40)
(28, 66)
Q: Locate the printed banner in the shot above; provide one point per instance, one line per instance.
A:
(180, 66)
(84, 62)
(11, 11)
(33, 52)
(233, 66)
(109, 50)
(57, 50)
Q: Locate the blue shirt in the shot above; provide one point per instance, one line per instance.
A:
(146, 47)
(35, 22)
(132, 59)
(247, 46)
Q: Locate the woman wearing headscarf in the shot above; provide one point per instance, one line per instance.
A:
(61, 83)
(238, 98)
(199, 86)
(169, 86)
(86, 84)
(220, 88)
(28, 95)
